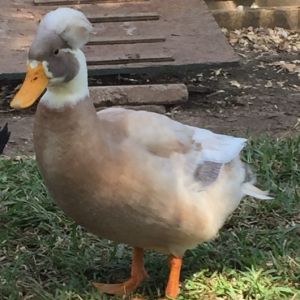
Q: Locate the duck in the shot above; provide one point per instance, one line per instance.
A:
(133, 177)
(4, 137)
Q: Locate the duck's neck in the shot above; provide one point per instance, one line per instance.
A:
(69, 93)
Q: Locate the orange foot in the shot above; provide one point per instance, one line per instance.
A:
(138, 274)
(172, 289)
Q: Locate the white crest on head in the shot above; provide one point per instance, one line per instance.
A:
(71, 24)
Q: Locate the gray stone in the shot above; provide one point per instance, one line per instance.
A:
(139, 94)
(160, 109)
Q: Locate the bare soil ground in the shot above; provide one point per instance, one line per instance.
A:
(260, 96)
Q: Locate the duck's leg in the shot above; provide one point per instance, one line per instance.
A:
(138, 274)
(172, 289)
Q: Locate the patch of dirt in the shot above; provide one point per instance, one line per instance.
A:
(260, 96)
(20, 142)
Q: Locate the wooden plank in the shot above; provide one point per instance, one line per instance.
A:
(122, 41)
(120, 54)
(123, 18)
(127, 30)
(128, 60)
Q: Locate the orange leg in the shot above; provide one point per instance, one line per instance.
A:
(172, 289)
(138, 274)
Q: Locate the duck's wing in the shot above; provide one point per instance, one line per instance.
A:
(156, 133)
(4, 137)
(163, 136)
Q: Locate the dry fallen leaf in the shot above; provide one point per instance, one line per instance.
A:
(262, 40)
(297, 123)
(287, 66)
(290, 67)
(235, 83)
(269, 84)
(295, 87)
(218, 72)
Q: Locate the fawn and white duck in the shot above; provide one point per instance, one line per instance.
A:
(134, 177)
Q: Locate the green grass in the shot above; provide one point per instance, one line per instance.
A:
(44, 255)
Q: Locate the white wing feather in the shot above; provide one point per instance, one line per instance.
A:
(218, 148)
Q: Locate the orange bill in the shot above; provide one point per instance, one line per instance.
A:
(33, 86)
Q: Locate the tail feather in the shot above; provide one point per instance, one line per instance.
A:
(249, 189)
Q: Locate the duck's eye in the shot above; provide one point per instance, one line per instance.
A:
(56, 51)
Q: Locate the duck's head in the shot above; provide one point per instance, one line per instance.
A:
(55, 59)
